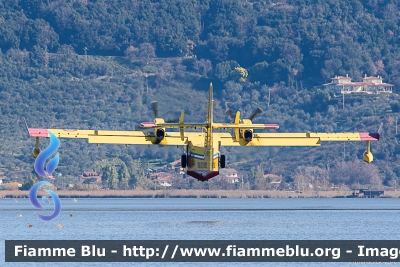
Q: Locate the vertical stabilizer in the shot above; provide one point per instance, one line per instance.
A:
(237, 121)
(210, 105)
(209, 139)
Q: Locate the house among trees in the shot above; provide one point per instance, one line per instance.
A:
(369, 86)
(90, 177)
(230, 175)
(164, 178)
(176, 165)
(273, 180)
(1, 179)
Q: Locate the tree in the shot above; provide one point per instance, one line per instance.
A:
(355, 173)
(131, 53)
(32, 180)
(124, 176)
(232, 94)
(239, 74)
(202, 66)
(332, 68)
(66, 49)
(259, 72)
(146, 52)
(223, 69)
(256, 178)
(113, 178)
(110, 176)
(165, 72)
(138, 176)
(320, 100)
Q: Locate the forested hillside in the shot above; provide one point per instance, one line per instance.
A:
(98, 65)
(292, 40)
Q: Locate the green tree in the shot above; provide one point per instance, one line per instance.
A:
(239, 74)
(113, 178)
(32, 180)
(223, 69)
(256, 178)
(146, 52)
(139, 178)
(124, 176)
(259, 72)
(110, 176)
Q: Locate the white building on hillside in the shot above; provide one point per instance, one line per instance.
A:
(369, 86)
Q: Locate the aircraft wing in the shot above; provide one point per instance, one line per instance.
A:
(119, 137)
(292, 139)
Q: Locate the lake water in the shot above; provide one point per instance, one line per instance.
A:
(203, 219)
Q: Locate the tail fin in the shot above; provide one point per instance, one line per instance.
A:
(210, 105)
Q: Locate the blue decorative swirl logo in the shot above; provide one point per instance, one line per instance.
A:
(44, 155)
(50, 167)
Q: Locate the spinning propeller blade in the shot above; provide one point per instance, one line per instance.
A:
(255, 113)
(230, 113)
(154, 106)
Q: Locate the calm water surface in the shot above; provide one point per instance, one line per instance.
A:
(188, 219)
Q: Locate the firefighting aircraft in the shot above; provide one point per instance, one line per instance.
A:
(202, 158)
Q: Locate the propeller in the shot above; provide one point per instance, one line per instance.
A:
(154, 107)
(255, 113)
(230, 113)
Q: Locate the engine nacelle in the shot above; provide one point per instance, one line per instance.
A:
(368, 157)
(248, 135)
(159, 133)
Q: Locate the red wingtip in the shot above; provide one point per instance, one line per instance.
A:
(38, 132)
(372, 136)
(369, 136)
(148, 124)
(271, 126)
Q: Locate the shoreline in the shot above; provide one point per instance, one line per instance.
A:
(175, 193)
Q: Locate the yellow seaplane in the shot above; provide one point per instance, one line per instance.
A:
(202, 158)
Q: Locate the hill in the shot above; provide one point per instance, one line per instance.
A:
(98, 65)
